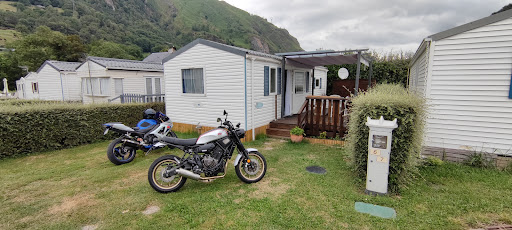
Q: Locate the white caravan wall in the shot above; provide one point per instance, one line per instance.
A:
(469, 90)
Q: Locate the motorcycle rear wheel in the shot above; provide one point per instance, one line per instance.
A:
(120, 154)
(156, 177)
(254, 171)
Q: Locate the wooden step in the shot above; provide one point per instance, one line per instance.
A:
(278, 132)
(277, 125)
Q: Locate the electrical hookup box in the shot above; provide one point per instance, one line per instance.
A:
(379, 152)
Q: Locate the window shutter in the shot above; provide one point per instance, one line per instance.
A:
(266, 82)
(307, 82)
(320, 83)
(510, 91)
(278, 81)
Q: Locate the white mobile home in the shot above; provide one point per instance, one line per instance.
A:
(27, 87)
(204, 78)
(465, 74)
(55, 81)
(104, 79)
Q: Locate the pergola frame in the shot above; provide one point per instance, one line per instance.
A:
(311, 59)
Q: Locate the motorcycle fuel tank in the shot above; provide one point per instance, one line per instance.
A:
(212, 136)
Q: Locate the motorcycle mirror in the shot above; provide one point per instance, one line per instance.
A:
(225, 113)
(219, 119)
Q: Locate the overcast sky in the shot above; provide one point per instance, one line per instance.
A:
(376, 24)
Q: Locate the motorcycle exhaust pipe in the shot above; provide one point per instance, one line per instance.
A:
(188, 174)
(131, 143)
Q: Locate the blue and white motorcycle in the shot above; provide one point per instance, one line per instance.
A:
(143, 137)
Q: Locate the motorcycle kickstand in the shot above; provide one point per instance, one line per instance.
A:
(150, 149)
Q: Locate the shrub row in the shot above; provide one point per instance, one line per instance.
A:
(390, 101)
(43, 127)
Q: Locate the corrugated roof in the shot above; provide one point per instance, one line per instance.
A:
(61, 65)
(123, 64)
(157, 57)
(224, 47)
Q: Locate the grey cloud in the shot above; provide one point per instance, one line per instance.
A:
(344, 24)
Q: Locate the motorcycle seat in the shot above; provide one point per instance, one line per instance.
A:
(143, 131)
(178, 141)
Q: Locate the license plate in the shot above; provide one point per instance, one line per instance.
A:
(106, 131)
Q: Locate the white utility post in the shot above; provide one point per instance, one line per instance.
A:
(379, 152)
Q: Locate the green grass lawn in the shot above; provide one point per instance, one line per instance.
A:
(72, 188)
(8, 36)
(8, 6)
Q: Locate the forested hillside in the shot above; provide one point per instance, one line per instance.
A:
(152, 25)
(69, 30)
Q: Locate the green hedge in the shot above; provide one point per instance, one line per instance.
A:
(390, 101)
(41, 127)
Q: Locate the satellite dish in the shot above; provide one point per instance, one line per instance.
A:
(343, 73)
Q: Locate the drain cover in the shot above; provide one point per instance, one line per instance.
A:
(316, 169)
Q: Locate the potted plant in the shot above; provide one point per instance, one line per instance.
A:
(297, 134)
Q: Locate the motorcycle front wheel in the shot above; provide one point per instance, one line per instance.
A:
(120, 154)
(158, 178)
(253, 171)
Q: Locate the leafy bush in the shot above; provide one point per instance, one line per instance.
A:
(432, 161)
(390, 101)
(480, 159)
(297, 131)
(46, 126)
(323, 135)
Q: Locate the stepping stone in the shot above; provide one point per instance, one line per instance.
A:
(90, 227)
(150, 210)
(316, 170)
(375, 210)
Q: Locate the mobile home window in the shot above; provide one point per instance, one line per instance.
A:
(118, 86)
(317, 82)
(153, 85)
(299, 82)
(34, 87)
(100, 86)
(192, 81)
(272, 80)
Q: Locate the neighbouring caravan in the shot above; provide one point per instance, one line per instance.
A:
(465, 74)
(28, 87)
(54, 81)
(105, 79)
(204, 78)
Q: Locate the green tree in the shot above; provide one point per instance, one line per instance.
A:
(9, 69)
(113, 50)
(45, 44)
(387, 68)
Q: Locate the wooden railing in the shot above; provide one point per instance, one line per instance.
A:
(323, 114)
(139, 98)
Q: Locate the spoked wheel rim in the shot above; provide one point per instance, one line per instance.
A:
(161, 180)
(254, 169)
(123, 153)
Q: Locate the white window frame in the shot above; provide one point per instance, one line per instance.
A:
(122, 85)
(181, 82)
(270, 92)
(35, 87)
(317, 82)
(295, 82)
(153, 84)
(98, 93)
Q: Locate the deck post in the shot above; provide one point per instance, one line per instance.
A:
(283, 85)
(370, 75)
(358, 72)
